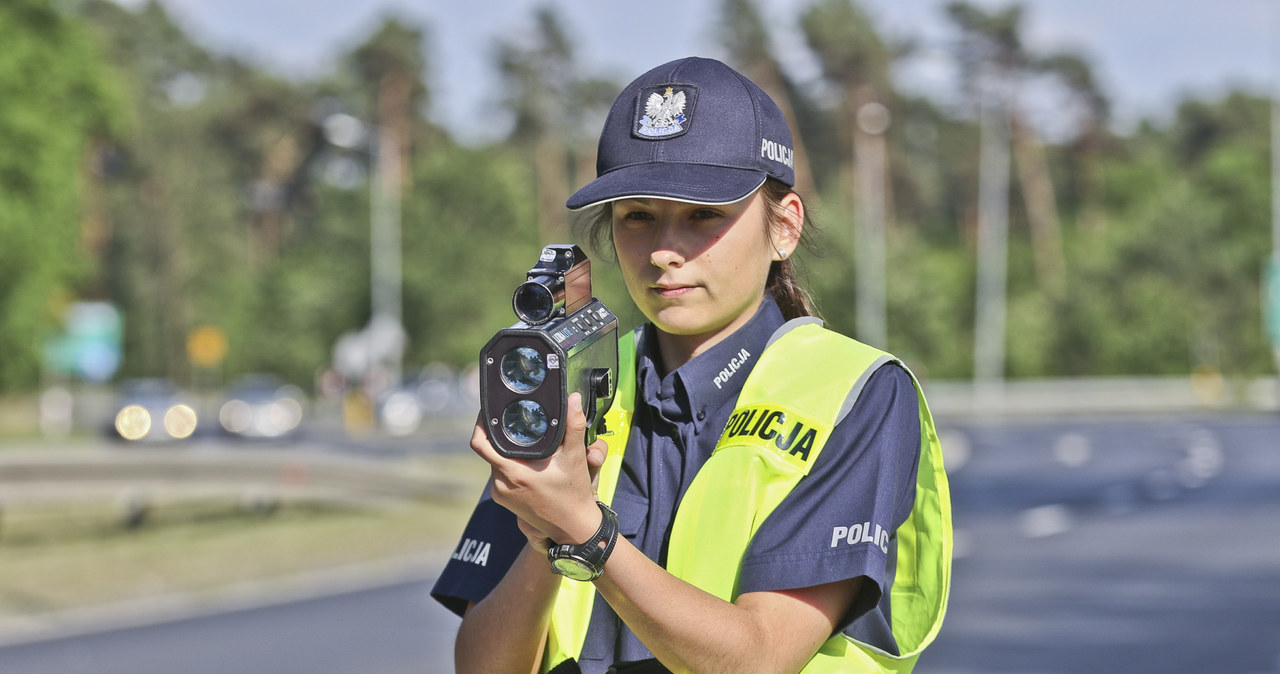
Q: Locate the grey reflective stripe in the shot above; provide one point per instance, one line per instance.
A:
(791, 325)
(856, 391)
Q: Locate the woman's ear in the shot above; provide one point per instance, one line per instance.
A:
(788, 226)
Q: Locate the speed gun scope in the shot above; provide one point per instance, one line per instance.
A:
(565, 341)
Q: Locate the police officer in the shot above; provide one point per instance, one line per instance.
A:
(769, 495)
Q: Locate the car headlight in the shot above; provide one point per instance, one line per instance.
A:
(283, 415)
(236, 416)
(180, 422)
(133, 422)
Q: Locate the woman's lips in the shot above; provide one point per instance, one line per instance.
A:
(672, 291)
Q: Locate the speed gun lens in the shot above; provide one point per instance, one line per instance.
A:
(524, 422)
(523, 369)
(533, 302)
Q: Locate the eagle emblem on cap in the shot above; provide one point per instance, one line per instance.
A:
(663, 114)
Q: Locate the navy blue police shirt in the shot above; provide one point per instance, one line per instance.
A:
(862, 482)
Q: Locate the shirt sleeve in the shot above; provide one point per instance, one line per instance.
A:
(840, 521)
(489, 546)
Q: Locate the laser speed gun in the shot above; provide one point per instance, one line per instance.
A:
(565, 341)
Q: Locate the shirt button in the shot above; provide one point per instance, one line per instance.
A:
(702, 414)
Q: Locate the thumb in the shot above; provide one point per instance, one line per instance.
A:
(575, 422)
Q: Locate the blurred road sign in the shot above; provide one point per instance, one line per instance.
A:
(90, 347)
(207, 346)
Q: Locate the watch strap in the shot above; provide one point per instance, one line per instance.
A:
(596, 550)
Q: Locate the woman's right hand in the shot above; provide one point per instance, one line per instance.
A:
(554, 497)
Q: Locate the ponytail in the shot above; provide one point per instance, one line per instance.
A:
(784, 283)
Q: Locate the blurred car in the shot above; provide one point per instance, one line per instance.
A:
(150, 410)
(432, 391)
(262, 406)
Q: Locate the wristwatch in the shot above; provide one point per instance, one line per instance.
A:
(585, 561)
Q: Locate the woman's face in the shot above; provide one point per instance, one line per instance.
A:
(697, 272)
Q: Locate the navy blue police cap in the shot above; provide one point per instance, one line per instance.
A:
(691, 130)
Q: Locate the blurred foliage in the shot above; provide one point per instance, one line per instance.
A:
(57, 101)
(190, 188)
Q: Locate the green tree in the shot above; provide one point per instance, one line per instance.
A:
(1092, 112)
(180, 199)
(57, 98)
(538, 76)
(391, 62)
(1194, 200)
(994, 61)
(746, 36)
(218, 198)
(557, 109)
(855, 62)
(479, 237)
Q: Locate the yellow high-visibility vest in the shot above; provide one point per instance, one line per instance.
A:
(783, 417)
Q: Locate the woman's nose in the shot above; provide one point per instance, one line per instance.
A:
(663, 258)
(666, 249)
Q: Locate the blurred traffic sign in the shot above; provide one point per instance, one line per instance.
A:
(90, 347)
(207, 346)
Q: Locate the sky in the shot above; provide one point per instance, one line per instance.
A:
(1148, 54)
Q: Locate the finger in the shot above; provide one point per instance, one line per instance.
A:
(480, 443)
(534, 535)
(597, 452)
(575, 431)
(483, 447)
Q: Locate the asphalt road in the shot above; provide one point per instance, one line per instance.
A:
(1119, 546)
(394, 629)
(1134, 545)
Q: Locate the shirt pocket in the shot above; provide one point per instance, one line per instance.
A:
(633, 516)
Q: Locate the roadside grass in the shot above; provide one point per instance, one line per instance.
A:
(55, 557)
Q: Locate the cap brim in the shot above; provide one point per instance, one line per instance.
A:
(693, 183)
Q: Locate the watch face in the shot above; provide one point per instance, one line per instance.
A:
(573, 569)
